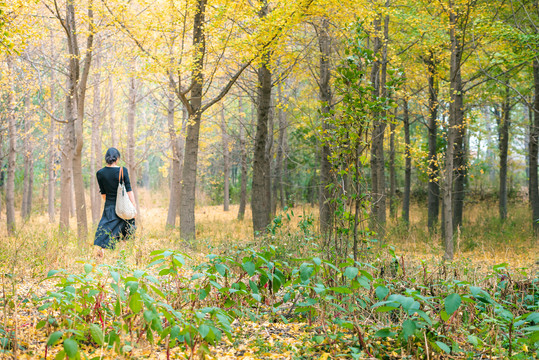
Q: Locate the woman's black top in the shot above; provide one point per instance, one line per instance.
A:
(108, 181)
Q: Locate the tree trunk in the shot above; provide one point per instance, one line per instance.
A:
(433, 187)
(112, 116)
(455, 109)
(260, 202)
(131, 161)
(75, 109)
(26, 207)
(10, 180)
(280, 150)
(504, 123)
(269, 156)
(325, 208)
(407, 164)
(243, 162)
(392, 172)
(175, 186)
(226, 162)
(66, 163)
(534, 138)
(95, 153)
(52, 156)
(378, 208)
(187, 201)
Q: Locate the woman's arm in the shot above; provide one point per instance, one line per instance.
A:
(104, 196)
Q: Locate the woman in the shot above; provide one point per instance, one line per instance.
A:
(111, 228)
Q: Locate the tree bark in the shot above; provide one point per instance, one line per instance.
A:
(260, 202)
(392, 172)
(52, 155)
(433, 188)
(10, 180)
(407, 164)
(26, 207)
(226, 162)
(280, 150)
(378, 75)
(75, 100)
(504, 123)
(243, 162)
(187, 201)
(131, 161)
(175, 186)
(112, 116)
(95, 153)
(534, 137)
(324, 203)
(454, 112)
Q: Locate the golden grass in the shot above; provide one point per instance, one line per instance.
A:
(484, 240)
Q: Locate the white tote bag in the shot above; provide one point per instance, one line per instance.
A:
(124, 207)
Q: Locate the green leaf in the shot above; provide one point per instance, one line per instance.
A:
(305, 272)
(135, 302)
(385, 308)
(71, 347)
(54, 337)
(381, 292)
(452, 303)
(97, 334)
(341, 290)
(87, 268)
(52, 273)
(317, 261)
(408, 328)
(473, 340)
(221, 269)
(384, 333)
(249, 268)
(204, 330)
(351, 272)
(443, 347)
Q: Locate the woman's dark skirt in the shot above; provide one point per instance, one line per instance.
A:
(111, 228)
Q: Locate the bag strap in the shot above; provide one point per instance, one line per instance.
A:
(121, 174)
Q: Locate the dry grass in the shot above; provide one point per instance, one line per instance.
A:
(484, 241)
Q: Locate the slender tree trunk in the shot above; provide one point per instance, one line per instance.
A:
(454, 111)
(112, 116)
(175, 186)
(66, 163)
(226, 162)
(269, 156)
(131, 161)
(10, 180)
(392, 172)
(504, 123)
(260, 203)
(243, 162)
(324, 203)
(433, 187)
(407, 164)
(187, 201)
(95, 153)
(280, 150)
(26, 207)
(534, 137)
(378, 74)
(52, 156)
(76, 99)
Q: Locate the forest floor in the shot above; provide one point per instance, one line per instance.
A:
(27, 328)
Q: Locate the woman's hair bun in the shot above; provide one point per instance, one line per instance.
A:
(112, 155)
